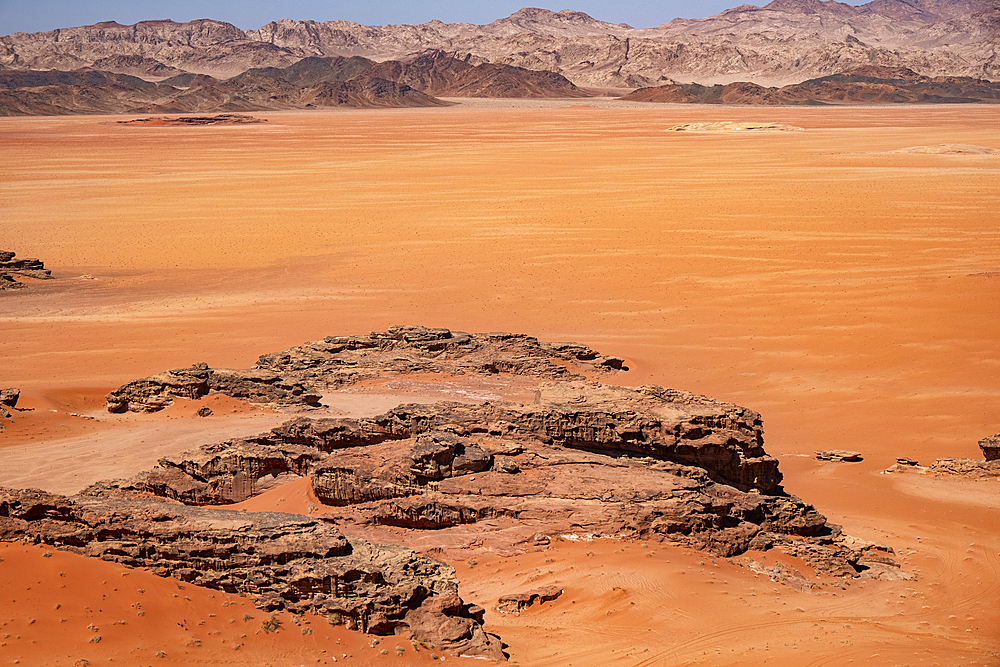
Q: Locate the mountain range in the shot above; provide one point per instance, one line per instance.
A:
(310, 82)
(784, 42)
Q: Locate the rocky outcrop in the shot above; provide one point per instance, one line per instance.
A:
(585, 458)
(286, 561)
(838, 455)
(29, 268)
(987, 467)
(297, 376)
(991, 447)
(971, 468)
(8, 402)
(515, 603)
(257, 386)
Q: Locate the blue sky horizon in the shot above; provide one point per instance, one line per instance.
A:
(44, 15)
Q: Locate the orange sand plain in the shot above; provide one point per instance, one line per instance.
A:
(848, 293)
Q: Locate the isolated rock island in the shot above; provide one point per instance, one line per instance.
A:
(583, 459)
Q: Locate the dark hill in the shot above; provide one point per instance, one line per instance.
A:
(863, 85)
(437, 73)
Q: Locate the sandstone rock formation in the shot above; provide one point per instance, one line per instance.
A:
(29, 268)
(989, 466)
(286, 561)
(838, 455)
(254, 385)
(515, 603)
(297, 376)
(991, 447)
(8, 401)
(783, 42)
(971, 468)
(583, 458)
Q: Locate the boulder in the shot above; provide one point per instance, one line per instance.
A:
(515, 603)
(991, 447)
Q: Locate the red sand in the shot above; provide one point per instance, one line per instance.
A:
(842, 290)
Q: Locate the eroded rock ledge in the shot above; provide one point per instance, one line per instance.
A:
(10, 267)
(299, 375)
(584, 459)
(287, 561)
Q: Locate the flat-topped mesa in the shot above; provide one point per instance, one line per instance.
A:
(285, 561)
(297, 376)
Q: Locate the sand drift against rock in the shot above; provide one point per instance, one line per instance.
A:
(582, 459)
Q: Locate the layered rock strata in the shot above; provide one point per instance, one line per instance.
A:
(297, 376)
(287, 561)
(585, 458)
(29, 268)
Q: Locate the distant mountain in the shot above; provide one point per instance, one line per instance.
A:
(863, 85)
(437, 73)
(783, 42)
(311, 82)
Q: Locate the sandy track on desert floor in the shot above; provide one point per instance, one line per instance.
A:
(849, 293)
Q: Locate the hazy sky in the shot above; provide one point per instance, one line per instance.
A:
(39, 15)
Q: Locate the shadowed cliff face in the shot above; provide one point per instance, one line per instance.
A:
(782, 42)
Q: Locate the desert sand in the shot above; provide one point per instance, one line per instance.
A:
(847, 291)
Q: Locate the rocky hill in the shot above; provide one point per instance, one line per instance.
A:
(783, 42)
(310, 82)
(863, 85)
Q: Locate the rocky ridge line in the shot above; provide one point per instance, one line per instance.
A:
(584, 458)
(780, 43)
(297, 376)
(286, 561)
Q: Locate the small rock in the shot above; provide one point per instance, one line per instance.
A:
(516, 602)
(205, 411)
(505, 465)
(9, 397)
(838, 455)
(905, 461)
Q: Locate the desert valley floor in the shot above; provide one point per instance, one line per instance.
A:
(847, 291)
